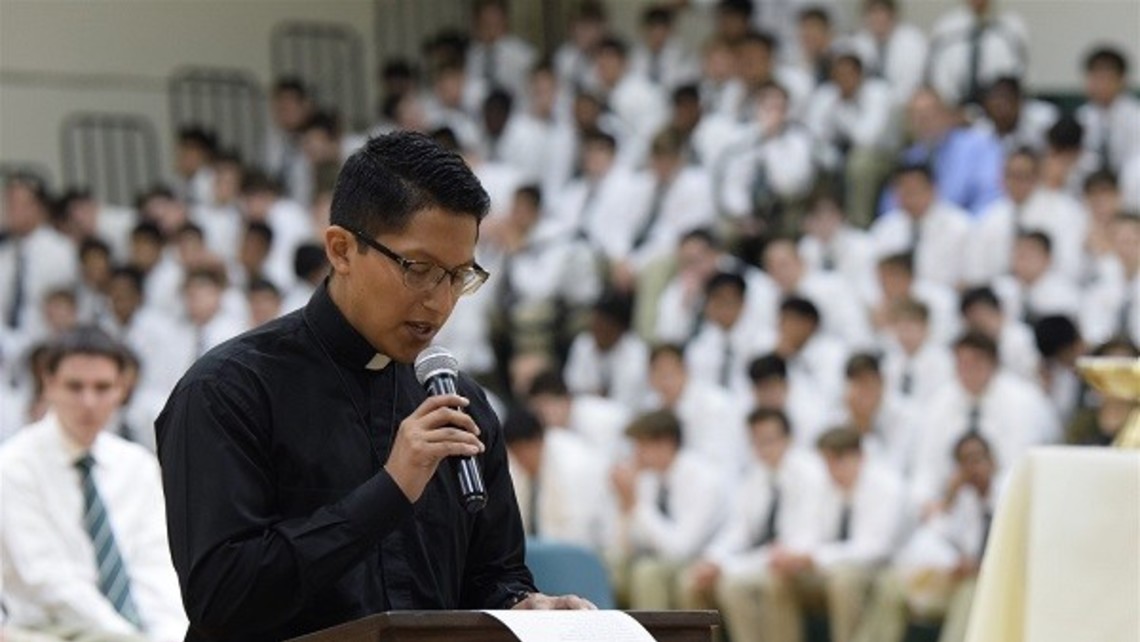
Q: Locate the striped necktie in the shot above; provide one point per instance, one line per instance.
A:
(114, 581)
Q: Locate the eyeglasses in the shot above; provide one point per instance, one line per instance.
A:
(422, 276)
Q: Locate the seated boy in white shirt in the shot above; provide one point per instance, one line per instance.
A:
(934, 576)
(666, 497)
(853, 530)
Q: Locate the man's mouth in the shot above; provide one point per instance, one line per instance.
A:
(422, 331)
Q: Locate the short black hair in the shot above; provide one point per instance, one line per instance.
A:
(616, 306)
(763, 38)
(85, 340)
(764, 413)
(498, 98)
(521, 425)
(1041, 239)
(1101, 179)
(662, 349)
(862, 363)
(766, 367)
(702, 234)
(207, 274)
(290, 85)
(612, 44)
(1009, 83)
(906, 169)
(392, 177)
(840, 441)
(979, 341)
(1066, 134)
(308, 258)
(1107, 56)
(548, 382)
(654, 425)
(148, 230)
(196, 136)
(726, 280)
(263, 285)
(657, 15)
(531, 192)
(1054, 333)
(742, 8)
(969, 437)
(599, 137)
(447, 139)
(190, 228)
(130, 274)
(814, 13)
(800, 307)
(261, 230)
(901, 260)
(686, 92)
(256, 181)
(326, 122)
(590, 11)
(93, 244)
(978, 296)
(889, 5)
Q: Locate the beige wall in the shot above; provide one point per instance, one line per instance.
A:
(61, 56)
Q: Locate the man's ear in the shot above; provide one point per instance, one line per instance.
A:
(339, 245)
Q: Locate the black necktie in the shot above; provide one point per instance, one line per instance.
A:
(973, 82)
(987, 522)
(655, 208)
(883, 46)
(845, 522)
(769, 533)
(114, 580)
(16, 303)
(585, 215)
(974, 420)
(906, 383)
(663, 498)
(828, 259)
(655, 67)
(915, 235)
(489, 63)
(726, 362)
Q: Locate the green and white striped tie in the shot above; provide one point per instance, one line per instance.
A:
(114, 581)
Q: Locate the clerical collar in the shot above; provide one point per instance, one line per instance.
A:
(345, 343)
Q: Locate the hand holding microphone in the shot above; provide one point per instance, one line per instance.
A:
(437, 430)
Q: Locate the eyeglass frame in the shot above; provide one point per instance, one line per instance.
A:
(406, 264)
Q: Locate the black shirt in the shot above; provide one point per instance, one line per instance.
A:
(281, 518)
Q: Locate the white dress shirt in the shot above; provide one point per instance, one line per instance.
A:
(900, 60)
(291, 227)
(842, 313)
(600, 210)
(852, 255)
(165, 348)
(1003, 51)
(893, 438)
(50, 261)
(222, 228)
(501, 181)
(1115, 129)
(1058, 215)
(800, 480)
(784, 160)
(1052, 294)
(675, 65)
(944, 232)
(575, 69)
(573, 494)
(682, 205)
(640, 109)
(819, 367)
(537, 148)
(692, 518)
(877, 509)
(712, 426)
(1017, 349)
(705, 354)
(49, 569)
(1014, 415)
(959, 531)
(862, 121)
(625, 367)
(1033, 123)
(601, 422)
(1130, 183)
(510, 61)
(917, 378)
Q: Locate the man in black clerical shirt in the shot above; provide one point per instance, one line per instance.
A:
(301, 461)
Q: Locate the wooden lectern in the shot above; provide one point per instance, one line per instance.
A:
(471, 626)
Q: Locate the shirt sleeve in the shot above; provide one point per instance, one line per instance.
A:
(242, 566)
(495, 573)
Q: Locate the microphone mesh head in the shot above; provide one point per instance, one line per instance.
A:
(435, 360)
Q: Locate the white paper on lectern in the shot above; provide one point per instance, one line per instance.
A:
(572, 626)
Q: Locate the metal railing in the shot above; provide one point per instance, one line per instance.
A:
(226, 102)
(329, 60)
(114, 155)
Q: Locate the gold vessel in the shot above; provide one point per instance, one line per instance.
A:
(1117, 377)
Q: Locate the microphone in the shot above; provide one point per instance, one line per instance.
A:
(438, 372)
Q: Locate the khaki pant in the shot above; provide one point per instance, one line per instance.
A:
(863, 178)
(895, 603)
(651, 584)
(770, 608)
